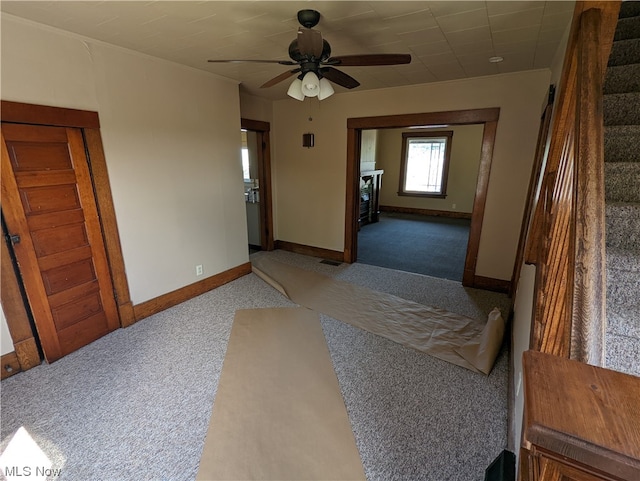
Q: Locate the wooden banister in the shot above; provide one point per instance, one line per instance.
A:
(589, 280)
(566, 238)
(581, 422)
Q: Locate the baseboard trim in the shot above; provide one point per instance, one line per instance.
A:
(433, 212)
(10, 365)
(28, 353)
(24, 357)
(170, 299)
(491, 284)
(127, 315)
(310, 250)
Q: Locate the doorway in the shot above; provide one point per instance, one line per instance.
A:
(355, 126)
(256, 155)
(428, 176)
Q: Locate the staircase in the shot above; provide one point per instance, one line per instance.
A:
(622, 192)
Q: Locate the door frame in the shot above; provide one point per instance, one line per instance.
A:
(89, 123)
(488, 117)
(262, 130)
(26, 348)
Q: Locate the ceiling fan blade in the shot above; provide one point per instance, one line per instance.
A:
(310, 42)
(370, 59)
(279, 78)
(339, 77)
(281, 62)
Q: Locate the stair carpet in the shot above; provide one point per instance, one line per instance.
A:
(622, 193)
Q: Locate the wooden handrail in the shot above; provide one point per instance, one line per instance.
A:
(566, 238)
(589, 279)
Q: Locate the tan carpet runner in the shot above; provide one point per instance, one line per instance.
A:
(458, 339)
(278, 412)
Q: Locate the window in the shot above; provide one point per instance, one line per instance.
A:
(425, 163)
(245, 163)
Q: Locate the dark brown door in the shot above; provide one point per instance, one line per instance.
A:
(48, 202)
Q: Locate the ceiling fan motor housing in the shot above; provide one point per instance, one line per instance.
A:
(297, 56)
(308, 18)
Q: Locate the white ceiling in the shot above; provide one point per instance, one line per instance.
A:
(446, 39)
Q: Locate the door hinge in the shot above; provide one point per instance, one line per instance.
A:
(14, 238)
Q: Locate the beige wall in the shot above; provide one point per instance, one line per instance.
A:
(172, 142)
(256, 108)
(463, 169)
(310, 195)
(523, 302)
(6, 343)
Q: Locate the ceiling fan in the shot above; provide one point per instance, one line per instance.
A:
(311, 54)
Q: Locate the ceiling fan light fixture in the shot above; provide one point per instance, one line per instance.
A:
(295, 90)
(326, 89)
(310, 84)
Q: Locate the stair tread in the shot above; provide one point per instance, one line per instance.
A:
(627, 27)
(622, 289)
(622, 224)
(622, 108)
(625, 52)
(623, 205)
(629, 9)
(619, 258)
(622, 79)
(633, 130)
(622, 181)
(622, 354)
(621, 143)
(620, 323)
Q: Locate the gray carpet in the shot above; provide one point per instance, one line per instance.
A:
(429, 245)
(135, 405)
(622, 193)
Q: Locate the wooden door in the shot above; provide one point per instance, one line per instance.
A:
(48, 202)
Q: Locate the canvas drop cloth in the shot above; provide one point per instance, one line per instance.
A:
(278, 412)
(451, 337)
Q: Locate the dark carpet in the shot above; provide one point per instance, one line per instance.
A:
(429, 245)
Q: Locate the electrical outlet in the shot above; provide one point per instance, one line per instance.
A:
(453, 206)
(199, 270)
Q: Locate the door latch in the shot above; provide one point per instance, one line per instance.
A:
(14, 238)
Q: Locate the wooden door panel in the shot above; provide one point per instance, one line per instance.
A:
(68, 314)
(67, 276)
(64, 258)
(41, 200)
(55, 219)
(70, 295)
(74, 337)
(34, 179)
(31, 156)
(59, 239)
(48, 200)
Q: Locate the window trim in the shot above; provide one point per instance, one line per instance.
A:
(445, 168)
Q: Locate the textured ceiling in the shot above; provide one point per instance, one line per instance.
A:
(447, 39)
